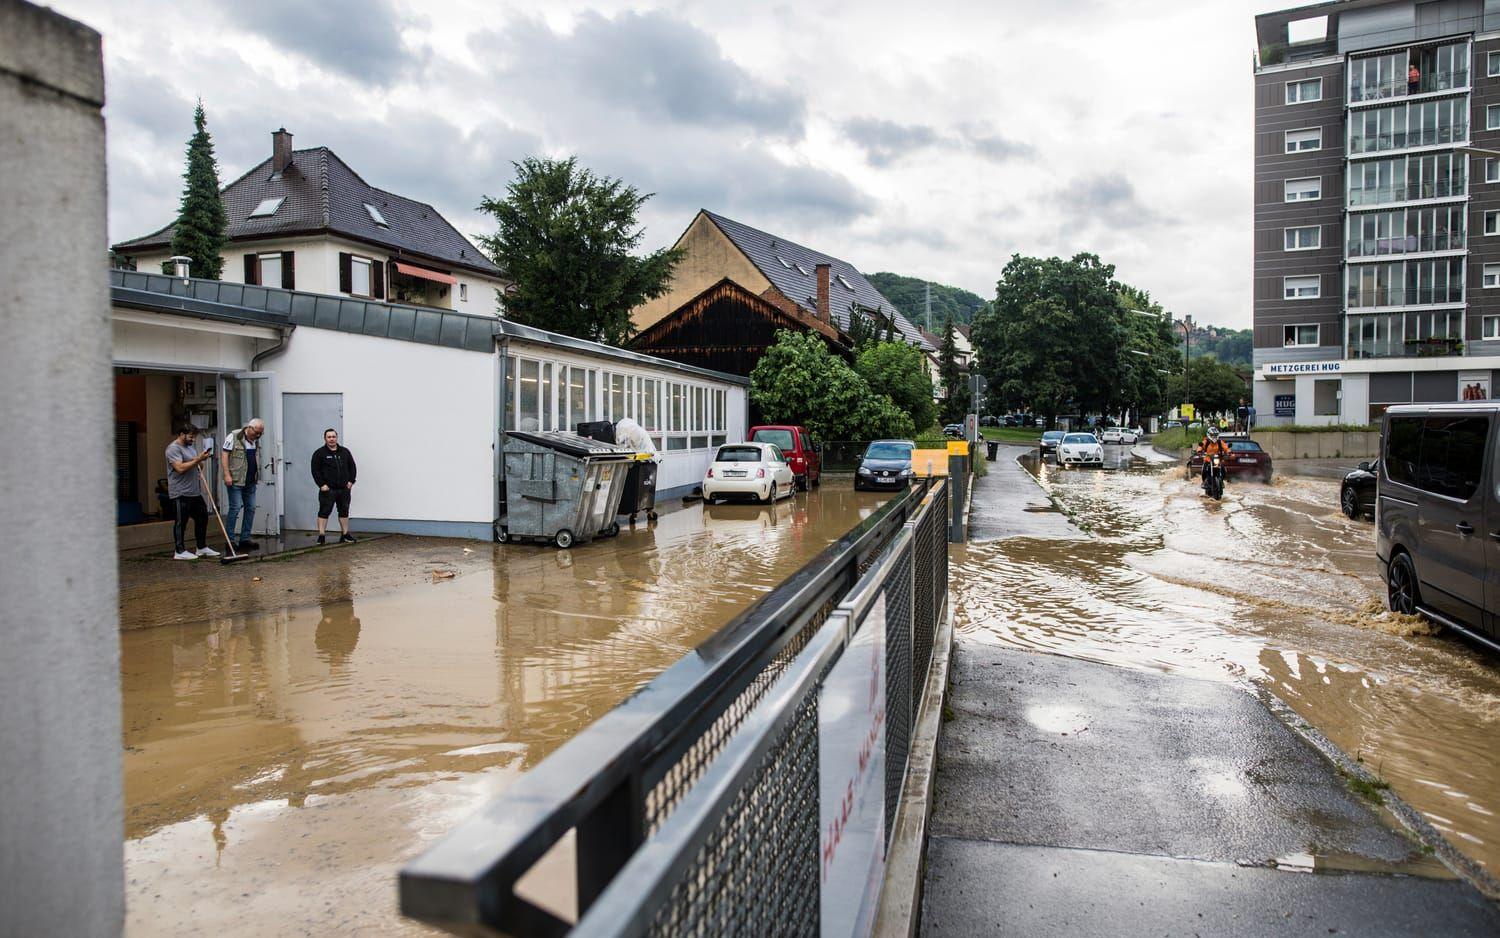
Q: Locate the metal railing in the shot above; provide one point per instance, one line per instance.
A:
(695, 803)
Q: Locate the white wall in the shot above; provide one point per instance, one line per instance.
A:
(419, 420)
(184, 344)
(1355, 404)
(61, 814)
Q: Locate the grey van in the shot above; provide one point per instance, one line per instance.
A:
(1437, 515)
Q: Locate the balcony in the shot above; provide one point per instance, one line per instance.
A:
(1406, 335)
(1410, 244)
(1457, 133)
(1386, 89)
(1378, 297)
(1413, 192)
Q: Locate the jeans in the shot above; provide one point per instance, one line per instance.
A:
(240, 497)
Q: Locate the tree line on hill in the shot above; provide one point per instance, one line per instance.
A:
(909, 296)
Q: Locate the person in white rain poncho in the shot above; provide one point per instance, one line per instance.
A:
(629, 433)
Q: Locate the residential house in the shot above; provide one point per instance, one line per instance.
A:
(302, 219)
(737, 285)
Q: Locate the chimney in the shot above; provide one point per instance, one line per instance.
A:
(281, 150)
(180, 266)
(824, 305)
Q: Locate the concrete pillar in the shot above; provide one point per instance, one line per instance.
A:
(61, 816)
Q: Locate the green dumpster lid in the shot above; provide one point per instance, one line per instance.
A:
(580, 447)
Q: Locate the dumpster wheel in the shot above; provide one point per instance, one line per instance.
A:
(502, 536)
(564, 539)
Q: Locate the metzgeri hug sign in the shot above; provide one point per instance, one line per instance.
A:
(1304, 368)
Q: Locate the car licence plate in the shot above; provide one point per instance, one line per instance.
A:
(1247, 459)
(885, 480)
(734, 474)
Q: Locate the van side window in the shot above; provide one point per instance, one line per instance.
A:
(1403, 446)
(1452, 456)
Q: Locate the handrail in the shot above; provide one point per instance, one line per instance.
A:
(598, 782)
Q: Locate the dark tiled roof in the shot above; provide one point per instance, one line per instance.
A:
(324, 195)
(779, 260)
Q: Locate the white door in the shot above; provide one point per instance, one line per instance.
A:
(245, 395)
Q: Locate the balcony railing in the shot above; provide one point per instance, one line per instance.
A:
(1403, 296)
(1453, 80)
(1404, 139)
(1412, 192)
(1411, 244)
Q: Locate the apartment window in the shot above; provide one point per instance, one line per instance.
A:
(1299, 336)
(270, 269)
(1304, 190)
(1309, 139)
(1300, 288)
(1492, 327)
(463, 293)
(1492, 170)
(359, 276)
(1491, 276)
(1492, 63)
(1492, 117)
(1304, 239)
(1492, 223)
(1301, 92)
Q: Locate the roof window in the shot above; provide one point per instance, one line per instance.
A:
(845, 282)
(801, 270)
(267, 207)
(784, 262)
(375, 215)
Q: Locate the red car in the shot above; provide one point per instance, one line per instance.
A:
(1246, 458)
(802, 454)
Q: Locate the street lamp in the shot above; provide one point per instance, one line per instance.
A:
(1187, 340)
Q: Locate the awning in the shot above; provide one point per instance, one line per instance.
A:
(413, 271)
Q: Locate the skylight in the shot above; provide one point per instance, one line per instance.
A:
(267, 207)
(784, 262)
(846, 283)
(800, 269)
(375, 215)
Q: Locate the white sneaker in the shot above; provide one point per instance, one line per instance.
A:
(185, 555)
(207, 552)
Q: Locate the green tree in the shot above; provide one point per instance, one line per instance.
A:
(898, 371)
(1028, 358)
(909, 295)
(799, 381)
(955, 383)
(201, 226)
(565, 239)
(1213, 386)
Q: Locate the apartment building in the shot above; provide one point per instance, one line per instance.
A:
(1377, 208)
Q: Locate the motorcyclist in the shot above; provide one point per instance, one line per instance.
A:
(1210, 445)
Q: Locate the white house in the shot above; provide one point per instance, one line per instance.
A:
(302, 219)
(421, 396)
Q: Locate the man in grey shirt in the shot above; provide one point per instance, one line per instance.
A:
(184, 487)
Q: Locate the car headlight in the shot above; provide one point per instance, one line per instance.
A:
(864, 470)
(906, 471)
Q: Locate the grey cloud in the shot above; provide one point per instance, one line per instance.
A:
(885, 142)
(1108, 199)
(360, 39)
(651, 64)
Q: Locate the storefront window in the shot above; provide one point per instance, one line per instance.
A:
(529, 394)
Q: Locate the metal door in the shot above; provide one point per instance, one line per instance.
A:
(243, 396)
(307, 416)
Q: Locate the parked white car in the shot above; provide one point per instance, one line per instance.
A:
(1080, 449)
(1122, 435)
(755, 471)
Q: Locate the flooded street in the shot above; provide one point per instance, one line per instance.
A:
(284, 757)
(1272, 586)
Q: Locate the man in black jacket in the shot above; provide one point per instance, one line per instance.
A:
(333, 471)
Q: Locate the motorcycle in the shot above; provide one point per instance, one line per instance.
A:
(1213, 480)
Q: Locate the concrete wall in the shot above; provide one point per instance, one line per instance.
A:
(1318, 445)
(61, 822)
(710, 258)
(419, 419)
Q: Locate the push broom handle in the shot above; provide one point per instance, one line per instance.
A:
(203, 480)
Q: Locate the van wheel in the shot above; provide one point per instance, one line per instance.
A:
(1401, 586)
(1350, 503)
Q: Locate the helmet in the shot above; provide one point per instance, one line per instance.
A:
(1213, 433)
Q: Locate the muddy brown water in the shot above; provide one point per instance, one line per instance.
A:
(284, 759)
(1271, 586)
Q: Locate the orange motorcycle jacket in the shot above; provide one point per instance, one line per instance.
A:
(1215, 446)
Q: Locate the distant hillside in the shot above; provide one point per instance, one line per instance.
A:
(1231, 346)
(908, 293)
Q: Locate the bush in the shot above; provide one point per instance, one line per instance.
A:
(799, 381)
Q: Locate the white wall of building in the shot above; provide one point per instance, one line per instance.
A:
(61, 800)
(317, 269)
(156, 340)
(1355, 406)
(419, 419)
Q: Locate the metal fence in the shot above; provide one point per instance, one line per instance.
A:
(696, 803)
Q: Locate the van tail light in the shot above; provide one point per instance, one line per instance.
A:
(760, 473)
(710, 472)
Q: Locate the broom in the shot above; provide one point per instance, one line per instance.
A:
(233, 557)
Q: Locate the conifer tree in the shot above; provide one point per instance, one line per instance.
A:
(955, 391)
(200, 232)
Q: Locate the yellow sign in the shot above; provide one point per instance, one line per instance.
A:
(1188, 411)
(958, 448)
(925, 462)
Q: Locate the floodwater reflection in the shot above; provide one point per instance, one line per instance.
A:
(1271, 586)
(280, 766)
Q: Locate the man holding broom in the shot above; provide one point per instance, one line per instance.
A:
(185, 488)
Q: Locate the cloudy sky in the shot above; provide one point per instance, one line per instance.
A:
(934, 140)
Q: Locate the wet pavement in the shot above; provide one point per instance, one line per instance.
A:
(1269, 589)
(291, 741)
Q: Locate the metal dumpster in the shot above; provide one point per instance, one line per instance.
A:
(561, 487)
(640, 488)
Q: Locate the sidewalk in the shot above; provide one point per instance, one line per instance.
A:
(1081, 799)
